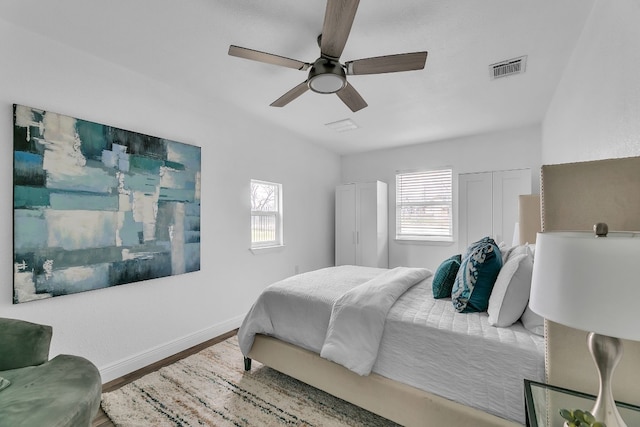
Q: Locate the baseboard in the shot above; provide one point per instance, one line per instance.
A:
(145, 358)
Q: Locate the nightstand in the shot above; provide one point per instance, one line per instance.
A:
(543, 403)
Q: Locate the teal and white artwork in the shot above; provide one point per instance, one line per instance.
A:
(96, 206)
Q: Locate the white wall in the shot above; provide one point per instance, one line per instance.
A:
(511, 149)
(595, 112)
(126, 327)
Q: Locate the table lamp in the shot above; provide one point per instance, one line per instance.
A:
(585, 281)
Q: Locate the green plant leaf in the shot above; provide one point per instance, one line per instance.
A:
(580, 418)
(566, 414)
(589, 418)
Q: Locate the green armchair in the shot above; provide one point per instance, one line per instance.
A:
(63, 391)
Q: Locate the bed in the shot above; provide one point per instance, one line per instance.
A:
(437, 366)
(573, 196)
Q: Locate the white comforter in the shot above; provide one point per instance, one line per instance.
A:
(425, 342)
(338, 312)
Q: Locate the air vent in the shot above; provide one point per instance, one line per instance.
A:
(342, 125)
(508, 67)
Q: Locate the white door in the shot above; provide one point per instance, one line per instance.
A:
(476, 207)
(367, 224)
(488, 204)
(507, 187)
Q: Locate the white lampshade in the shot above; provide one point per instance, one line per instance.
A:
(589, 283)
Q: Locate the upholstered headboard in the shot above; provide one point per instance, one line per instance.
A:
(528, 218)
(574, 196)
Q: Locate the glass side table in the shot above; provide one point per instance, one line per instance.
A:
(543, 403)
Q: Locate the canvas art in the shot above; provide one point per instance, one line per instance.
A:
(96, 206)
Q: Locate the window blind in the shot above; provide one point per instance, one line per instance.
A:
(424, 205)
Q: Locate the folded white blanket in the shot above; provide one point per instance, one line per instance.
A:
(298, 309)
(358, 318)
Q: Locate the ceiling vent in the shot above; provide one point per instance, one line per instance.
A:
(342, 125)
(508, 67)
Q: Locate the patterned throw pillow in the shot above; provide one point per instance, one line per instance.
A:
(442, 283)
(477, 275)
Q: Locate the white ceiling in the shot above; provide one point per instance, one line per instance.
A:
(184, 44)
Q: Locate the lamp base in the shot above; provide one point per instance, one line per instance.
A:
(606, 352)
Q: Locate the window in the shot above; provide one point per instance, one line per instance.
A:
(266, 214)
(424, 205)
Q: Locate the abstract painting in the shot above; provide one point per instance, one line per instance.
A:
(96, 206)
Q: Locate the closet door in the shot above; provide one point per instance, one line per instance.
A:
(488, 205)
(507, 188)
(346, 224)
(475, 207)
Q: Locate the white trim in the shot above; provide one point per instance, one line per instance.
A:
(414, 188)
(256, 250)
(426, 239)
(277, 215)
(146, 358)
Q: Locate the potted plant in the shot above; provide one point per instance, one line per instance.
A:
(580, 418)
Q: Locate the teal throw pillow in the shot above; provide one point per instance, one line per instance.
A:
(444, 277)
(477, 274)
(472, 247)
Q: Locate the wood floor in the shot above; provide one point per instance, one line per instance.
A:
(101, 419)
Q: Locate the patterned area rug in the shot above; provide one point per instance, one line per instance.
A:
(211, 388)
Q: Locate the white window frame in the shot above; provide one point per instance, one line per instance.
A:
(419, 177)
(277, 215)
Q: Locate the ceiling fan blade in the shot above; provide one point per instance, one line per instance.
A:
(387, 64)
(269, 58)
(352, 98)
(291, 95)
(338, 19)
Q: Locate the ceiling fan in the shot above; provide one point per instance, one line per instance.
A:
(327, 74)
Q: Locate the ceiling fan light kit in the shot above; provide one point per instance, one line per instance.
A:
(327, 75)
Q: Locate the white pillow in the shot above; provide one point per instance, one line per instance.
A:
(505, 253)
(533, 321)
(532, 248)
(510, 293)
(508, 253)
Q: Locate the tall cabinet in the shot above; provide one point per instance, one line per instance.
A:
(362, 224)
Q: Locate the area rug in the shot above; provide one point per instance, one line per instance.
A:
(211, 388)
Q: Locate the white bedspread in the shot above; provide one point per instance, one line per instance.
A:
(425, 342)
(358, 318)
(428, 345)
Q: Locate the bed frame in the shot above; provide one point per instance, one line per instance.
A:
(393, 400)
(574, 197)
